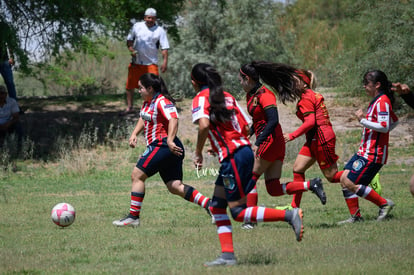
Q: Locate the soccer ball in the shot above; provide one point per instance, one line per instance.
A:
(63, 214)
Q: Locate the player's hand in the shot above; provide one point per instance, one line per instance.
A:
(198, 161)
(286, 137)
(359, 114)
(133, 141)
(174, 148)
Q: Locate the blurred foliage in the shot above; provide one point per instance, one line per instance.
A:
(225, 34)
(338, 40)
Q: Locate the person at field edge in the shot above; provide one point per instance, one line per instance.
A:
(164, 153)
(404, 91)
(9, 118)
(7, 60)
(144, 41)
(221, 120)
(269, 147)
(373, 150)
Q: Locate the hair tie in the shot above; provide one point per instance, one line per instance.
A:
(304, 77)
(196, 81)
(243, 73)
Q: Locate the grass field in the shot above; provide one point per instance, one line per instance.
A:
(177, 237)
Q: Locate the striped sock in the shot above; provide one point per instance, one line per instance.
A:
(136, 202)
(368, 193)
(196, 197)
(224, 229)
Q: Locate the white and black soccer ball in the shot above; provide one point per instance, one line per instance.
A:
(63, 214)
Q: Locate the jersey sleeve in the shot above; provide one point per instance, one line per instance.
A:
(199, 109)
(382, 123)
(164, 40)
(267, 100)
(168, 109)
(307, 108)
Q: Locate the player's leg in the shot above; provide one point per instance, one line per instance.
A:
(138, 178)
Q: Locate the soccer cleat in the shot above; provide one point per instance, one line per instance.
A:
(248, 225)
(285, 207)
(221, 261)
(127, 221)
(317, 188)
(385, 210)
(297, 223)
(375, 184)
(353, 219)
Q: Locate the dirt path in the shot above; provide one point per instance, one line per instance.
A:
(45, 120)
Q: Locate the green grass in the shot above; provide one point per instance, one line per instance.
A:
(176, 237)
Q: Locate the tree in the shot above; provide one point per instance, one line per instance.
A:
(46, 28)
(225, 34)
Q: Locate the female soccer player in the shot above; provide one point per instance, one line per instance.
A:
(373, 150)
(164, 153)
(292, 84)
(220, 118)
(269, 147)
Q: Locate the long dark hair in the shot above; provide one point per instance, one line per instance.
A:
(375, 76)
(206, 75)
(157, 83)
(282, 78)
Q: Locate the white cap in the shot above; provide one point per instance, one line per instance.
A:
(150, 12)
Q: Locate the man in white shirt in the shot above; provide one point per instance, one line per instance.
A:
(144, 41)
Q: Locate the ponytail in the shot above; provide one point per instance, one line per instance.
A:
(375, 76)
(205, 74)
(157, 83)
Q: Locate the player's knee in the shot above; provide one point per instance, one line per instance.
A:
(237, 212)
(218, 203)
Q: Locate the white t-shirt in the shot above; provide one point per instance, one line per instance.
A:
(8, 109)
(146, 42)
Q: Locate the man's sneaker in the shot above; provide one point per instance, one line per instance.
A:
(248, 225)
(297, 223)
(127, 221)
(285, 207)
(317, 188)
(385, 210)
(353, 219)
(221, 261)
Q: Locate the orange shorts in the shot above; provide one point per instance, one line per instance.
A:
(135, 71)
(323, 153)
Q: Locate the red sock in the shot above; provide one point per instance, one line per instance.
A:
(298, 196)
(351, 200)
(196, 197)
(136, 202)
(224, 229)
(337, 176)
(252, 197)
(261, 214)
(368, 193)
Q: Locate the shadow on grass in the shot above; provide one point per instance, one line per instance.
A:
(51, 123)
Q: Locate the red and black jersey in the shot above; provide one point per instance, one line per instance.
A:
(257, 103)
(312, 110)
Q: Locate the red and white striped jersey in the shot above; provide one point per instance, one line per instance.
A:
(225, 138)
(379, 121)
(156, 115)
